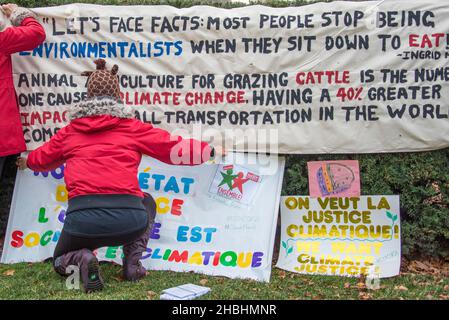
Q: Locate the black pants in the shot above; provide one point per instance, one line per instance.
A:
(68, 242)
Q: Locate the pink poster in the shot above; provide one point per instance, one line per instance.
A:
(334, 178)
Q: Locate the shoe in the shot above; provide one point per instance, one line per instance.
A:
(88, 266)
(133, 270)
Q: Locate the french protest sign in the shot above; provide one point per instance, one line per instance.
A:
(217, 219)
(339, 77)
(349, 236)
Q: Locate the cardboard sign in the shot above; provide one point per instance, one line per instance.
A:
(341, 236)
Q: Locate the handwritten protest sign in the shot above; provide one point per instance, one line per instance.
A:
(334, 178)
(196, 229)
(341, 236)
(340, 77)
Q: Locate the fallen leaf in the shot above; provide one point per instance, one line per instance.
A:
(364, 295)
(444, 297)
(151, 295)
(347, 285)
(446, 287)
(401, 288)
(9, 272)
(361, 285)
(282, 274)
(203, 282)
(421, 265)
(429, 296)
(434, 267)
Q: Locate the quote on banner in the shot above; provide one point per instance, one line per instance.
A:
(216, 219)
(347, 236)
(340, 77)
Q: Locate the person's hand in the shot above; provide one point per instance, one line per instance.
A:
(21, 163)
(8, 9)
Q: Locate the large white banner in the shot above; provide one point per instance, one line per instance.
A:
(341, 236)
(214, 219)
(339, 77)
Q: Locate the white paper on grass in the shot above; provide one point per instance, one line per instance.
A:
(184, 292)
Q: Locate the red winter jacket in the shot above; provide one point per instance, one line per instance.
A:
(102, 153)
(14, 39)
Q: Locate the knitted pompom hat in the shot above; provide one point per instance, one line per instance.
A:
(103, 83)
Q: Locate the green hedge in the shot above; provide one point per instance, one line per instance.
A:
(174, 3)
(421, 179)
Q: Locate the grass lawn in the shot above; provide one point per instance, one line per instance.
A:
(39, 281)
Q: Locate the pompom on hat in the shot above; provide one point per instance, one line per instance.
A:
(17, 16)
(103, 83)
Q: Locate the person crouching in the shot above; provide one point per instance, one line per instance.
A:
(102, 147)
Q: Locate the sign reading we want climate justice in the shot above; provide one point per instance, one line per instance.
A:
(346, 236)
